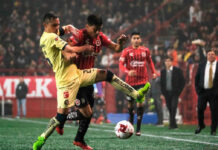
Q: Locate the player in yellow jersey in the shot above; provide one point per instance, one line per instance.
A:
(69, 78)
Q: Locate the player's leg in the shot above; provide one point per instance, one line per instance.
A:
(86, 94)
(65, 100)
(131, 109)
(18, 108)
(53, 123)
(107, 75)
(23, 102)
(140, 111)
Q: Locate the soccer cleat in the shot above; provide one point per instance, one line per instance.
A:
(82, 145)
(39, 143)
(60, 130)
(142, 92)
(138, 133)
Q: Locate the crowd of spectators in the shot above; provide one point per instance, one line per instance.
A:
(21, 28)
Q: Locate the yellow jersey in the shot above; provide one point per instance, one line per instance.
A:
(65, 72)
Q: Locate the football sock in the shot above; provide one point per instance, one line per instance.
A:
(75, 115)
(61, 118)
(83, 127)
(124, 87)
(53, 123)
(140, 111)
(131, 114)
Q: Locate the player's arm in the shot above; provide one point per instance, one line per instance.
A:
(78, 49)
(67, 29)
(122, 62)
(117, 47)
(64, 46)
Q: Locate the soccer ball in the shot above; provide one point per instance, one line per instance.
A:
(124, 129)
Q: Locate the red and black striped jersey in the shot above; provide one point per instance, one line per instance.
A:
(136, 59)
(87, 60)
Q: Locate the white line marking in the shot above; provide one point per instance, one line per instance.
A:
(146, 135)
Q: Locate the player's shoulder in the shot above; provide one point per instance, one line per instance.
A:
(49, 36)
(103, 36)
(128, 49)
(144, 48)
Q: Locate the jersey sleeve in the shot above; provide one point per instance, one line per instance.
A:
(105, 40)
(122, 61)
(58, 42)
(149, 60)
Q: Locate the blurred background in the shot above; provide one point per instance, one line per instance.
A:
(167, 27)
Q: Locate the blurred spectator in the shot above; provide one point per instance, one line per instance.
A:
(21, 92)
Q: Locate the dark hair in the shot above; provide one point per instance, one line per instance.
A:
(168, 57)
(48, 17)
(94, 20)
(211, 50)
(135, 33)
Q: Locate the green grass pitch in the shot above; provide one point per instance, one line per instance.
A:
(19, 134)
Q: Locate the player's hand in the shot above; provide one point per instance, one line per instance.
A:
(122, 39)
(89, 48)
(199, 42)
(69, 56)
(154, 76)
(132, 73)
(70, 29)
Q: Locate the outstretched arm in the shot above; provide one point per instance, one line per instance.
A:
(78, 49)
(118, 47)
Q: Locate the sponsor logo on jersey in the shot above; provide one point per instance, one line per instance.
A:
(137, 63)
(98, 43)
(143, 54)
(131, 54)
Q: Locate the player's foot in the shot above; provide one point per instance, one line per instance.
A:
(82, 145)
(100, 120)
(39, 143)
(107, 121)
(138, 133)
(60, 130)
(142, 92)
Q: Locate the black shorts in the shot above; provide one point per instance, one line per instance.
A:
(137, 87)
(85, 96)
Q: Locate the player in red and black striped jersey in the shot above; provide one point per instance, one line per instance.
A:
(133, 62)
(90, 35)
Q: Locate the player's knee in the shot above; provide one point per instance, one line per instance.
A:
(88, 114)
(109, 76)
(61, 118)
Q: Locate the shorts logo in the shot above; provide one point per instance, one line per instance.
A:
(66, 102)
(56, 39)
(66, 94)
(77, 102)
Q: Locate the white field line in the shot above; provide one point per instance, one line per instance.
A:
(146, 135)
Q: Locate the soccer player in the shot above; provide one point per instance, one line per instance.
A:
(133, 62)
(69, 78)
(91, 35)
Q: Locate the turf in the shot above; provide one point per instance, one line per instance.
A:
(19, 134)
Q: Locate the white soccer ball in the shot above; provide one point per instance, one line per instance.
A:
(124, 129)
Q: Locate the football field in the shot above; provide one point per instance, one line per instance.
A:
(19, 134)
